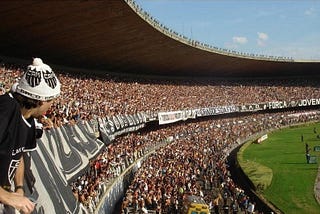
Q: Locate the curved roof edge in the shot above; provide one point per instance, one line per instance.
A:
(112, 36)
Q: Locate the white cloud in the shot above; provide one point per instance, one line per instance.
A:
(239, 40)
(310, 12)
(263, 36)
(262, 39)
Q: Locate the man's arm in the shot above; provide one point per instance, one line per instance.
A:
(19, 177)
(16, 199)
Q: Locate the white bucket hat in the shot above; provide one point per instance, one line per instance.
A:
(39, 82)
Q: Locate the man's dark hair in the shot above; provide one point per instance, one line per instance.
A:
(26, 102)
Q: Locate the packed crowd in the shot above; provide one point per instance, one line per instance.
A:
(84, 96)
(194, 163)
(198, 149)
(117, 156)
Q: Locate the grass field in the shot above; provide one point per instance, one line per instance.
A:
(280, 162)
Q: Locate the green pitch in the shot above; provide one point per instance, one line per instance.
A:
(278, 168)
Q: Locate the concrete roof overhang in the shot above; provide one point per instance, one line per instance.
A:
(111, 36)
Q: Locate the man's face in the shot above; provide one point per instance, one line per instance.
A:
(43, 108)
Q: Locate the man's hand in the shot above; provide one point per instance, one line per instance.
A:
(18, 201)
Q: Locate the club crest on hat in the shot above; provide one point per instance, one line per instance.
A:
(50, 79)
(33, 77)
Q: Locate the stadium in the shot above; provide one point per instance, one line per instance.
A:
(148, 116)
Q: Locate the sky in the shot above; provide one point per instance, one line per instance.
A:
(269, 27)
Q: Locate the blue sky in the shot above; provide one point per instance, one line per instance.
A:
(269, 27)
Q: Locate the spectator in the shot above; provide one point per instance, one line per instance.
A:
(34, 95)
(86, 97)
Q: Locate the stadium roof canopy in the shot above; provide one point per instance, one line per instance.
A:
(118, 36)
